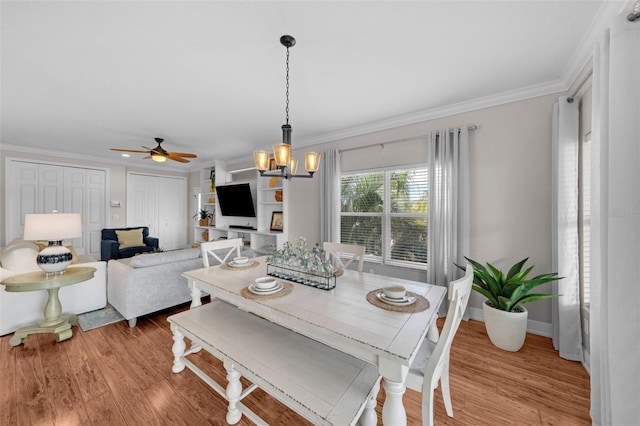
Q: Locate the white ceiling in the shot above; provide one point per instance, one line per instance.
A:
(83, 77)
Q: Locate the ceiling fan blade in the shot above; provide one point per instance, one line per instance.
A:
(128, 150)
(146, 147)
(183, 154)
(178, 159)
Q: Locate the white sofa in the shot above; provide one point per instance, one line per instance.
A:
(22, 309)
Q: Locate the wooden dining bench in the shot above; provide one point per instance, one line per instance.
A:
(322, 384)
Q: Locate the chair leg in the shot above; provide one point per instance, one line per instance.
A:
(427, 406)
(446, 395)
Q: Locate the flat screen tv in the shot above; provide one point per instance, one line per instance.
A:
(235, 200)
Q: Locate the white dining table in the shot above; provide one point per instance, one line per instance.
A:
(341, 318)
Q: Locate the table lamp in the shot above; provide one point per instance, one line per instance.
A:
(53, 227)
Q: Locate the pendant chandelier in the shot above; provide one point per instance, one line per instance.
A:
(284, 165)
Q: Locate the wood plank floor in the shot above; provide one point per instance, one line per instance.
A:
(115, 375)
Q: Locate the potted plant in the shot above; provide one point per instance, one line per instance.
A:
(204, 216)
(505, 317)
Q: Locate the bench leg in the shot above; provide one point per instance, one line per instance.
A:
(234, 390)
(369, 416)
(178, 349)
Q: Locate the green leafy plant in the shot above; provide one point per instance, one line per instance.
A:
(508, 292)
(203, 214)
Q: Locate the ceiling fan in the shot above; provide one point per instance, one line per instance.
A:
(159, 154)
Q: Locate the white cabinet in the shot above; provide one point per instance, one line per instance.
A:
(261, 239)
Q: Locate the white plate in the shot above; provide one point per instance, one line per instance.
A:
(276, 289)
(240, 265)
(406, 301)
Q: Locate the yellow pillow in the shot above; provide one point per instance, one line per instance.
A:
(132, 238)
(74, 255)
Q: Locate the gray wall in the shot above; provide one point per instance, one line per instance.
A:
(510, 185)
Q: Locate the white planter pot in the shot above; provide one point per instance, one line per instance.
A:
(506, 330)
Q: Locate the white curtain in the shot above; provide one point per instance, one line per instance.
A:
(615, 221)
(567, 331)
(330, 200)
(448, 211)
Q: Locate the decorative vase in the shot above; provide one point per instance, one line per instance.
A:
(506, 330)
(278, 195)
(203, 222)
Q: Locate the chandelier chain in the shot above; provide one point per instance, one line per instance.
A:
(287, 103)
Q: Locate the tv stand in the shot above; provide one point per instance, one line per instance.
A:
(249, 227)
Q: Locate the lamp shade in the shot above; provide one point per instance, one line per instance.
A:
(52, 226)
(158, 158)
(261, 159)
(312, 161)
(282, 154)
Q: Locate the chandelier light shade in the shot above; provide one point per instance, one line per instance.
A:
(282, 154)
(312, 161)
(261, 158)
(53, 227)
(287, 165)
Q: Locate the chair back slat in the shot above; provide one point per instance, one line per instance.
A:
(233, 245)
(459, 292)
(336, 252)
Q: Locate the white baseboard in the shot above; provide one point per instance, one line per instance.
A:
(533, 327)
(587, 361)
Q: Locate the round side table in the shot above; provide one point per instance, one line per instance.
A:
(53, 322)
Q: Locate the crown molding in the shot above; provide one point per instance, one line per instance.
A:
(435, 113)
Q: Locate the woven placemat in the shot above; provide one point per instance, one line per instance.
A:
(420, 305)
(288, 288)
(255, 264)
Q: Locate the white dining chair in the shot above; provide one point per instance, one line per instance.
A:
(210, 248)
(337, 250)
(431, 364)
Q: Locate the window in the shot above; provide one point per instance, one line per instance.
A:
(386, 211)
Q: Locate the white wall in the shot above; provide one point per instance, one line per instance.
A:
(510, 185)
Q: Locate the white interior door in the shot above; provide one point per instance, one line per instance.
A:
(40, 188)
(84, 193)
(159, 202)
(142, 202)
(172, 213)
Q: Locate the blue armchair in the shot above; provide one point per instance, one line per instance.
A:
(110, 247)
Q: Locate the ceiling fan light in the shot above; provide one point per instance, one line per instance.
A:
(158, 158)
(261, 159)
(282, 154)
(312, 161)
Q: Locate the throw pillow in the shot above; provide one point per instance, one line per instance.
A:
(132, 238)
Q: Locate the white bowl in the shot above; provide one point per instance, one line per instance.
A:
(264, 283)
(240, 260)
(394, 292)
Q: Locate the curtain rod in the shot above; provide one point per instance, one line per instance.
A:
(382, 144)
(579, 88)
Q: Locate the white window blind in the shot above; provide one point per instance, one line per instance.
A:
(386, 211)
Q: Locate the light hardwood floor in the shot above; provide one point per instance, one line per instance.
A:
(115, 375)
